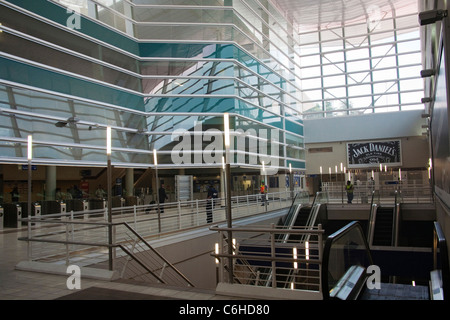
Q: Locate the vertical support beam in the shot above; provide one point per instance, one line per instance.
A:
(226, 125)
(50, 182)
(129, 182)
(394, 21)
(109, 190)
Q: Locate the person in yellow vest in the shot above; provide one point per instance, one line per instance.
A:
(349, 189)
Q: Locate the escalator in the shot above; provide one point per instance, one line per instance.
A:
(384, 219)
(301, 200)
(349, 272)
(301, 214)
(384, 227)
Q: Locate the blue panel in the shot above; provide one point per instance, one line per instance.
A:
(22, 73)
(296, 128)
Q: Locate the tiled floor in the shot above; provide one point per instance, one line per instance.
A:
(24, 285)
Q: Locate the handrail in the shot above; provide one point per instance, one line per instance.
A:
(396, 220)
(270, 257)
(371, 220)
(120, 245)
(155, 252)
(306, 237)
(440, 243)
(326, 252)
(315, 207)
(293, 211)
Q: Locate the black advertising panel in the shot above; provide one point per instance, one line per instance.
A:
(371, 154)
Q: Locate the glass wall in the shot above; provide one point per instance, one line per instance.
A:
(146, 68)
(362, 67)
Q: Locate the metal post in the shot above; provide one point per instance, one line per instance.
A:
(109, 189)
(272, 254)
(291, 184)
(155, 162)
(29, 191)
(30, 156)
(109, 182)
(226, 125)
(229, 224)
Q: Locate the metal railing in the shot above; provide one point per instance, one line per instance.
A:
(407, 192)
(82, 237)
(259, 259)
(134, 257)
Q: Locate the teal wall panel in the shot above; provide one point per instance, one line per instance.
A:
(37, 77)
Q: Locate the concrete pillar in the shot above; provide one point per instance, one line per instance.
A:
(50, 182)
(129, 182)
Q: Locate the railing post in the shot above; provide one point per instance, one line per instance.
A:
(179, 214)
(320, 256)
(221, 261)
(272, 254)
(72, 227)
(196, 212)
(114, 249)
(67, 244)
(135, 217)
(248, 205)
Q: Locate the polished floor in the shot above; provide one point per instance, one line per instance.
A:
(24, 285)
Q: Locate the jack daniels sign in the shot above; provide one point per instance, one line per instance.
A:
(371, 154)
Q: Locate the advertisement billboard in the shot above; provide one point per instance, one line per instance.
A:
(373, 153)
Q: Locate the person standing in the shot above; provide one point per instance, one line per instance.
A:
(162, 198)
(15, 195)
(212, 194)
(261, 191)
(349, 189)
(100, 193)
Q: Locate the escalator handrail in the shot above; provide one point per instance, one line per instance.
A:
(293, 210)
(396, 219)
(441, 243)
(371, 215)
(326, 253)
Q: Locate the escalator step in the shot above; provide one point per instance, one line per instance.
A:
(392, 291)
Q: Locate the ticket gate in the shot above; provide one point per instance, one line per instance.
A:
(19, 215)
(37, 210)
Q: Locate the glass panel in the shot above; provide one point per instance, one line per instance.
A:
(65, 39)
(347, 251)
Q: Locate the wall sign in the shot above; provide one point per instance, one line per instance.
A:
(371, 154)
